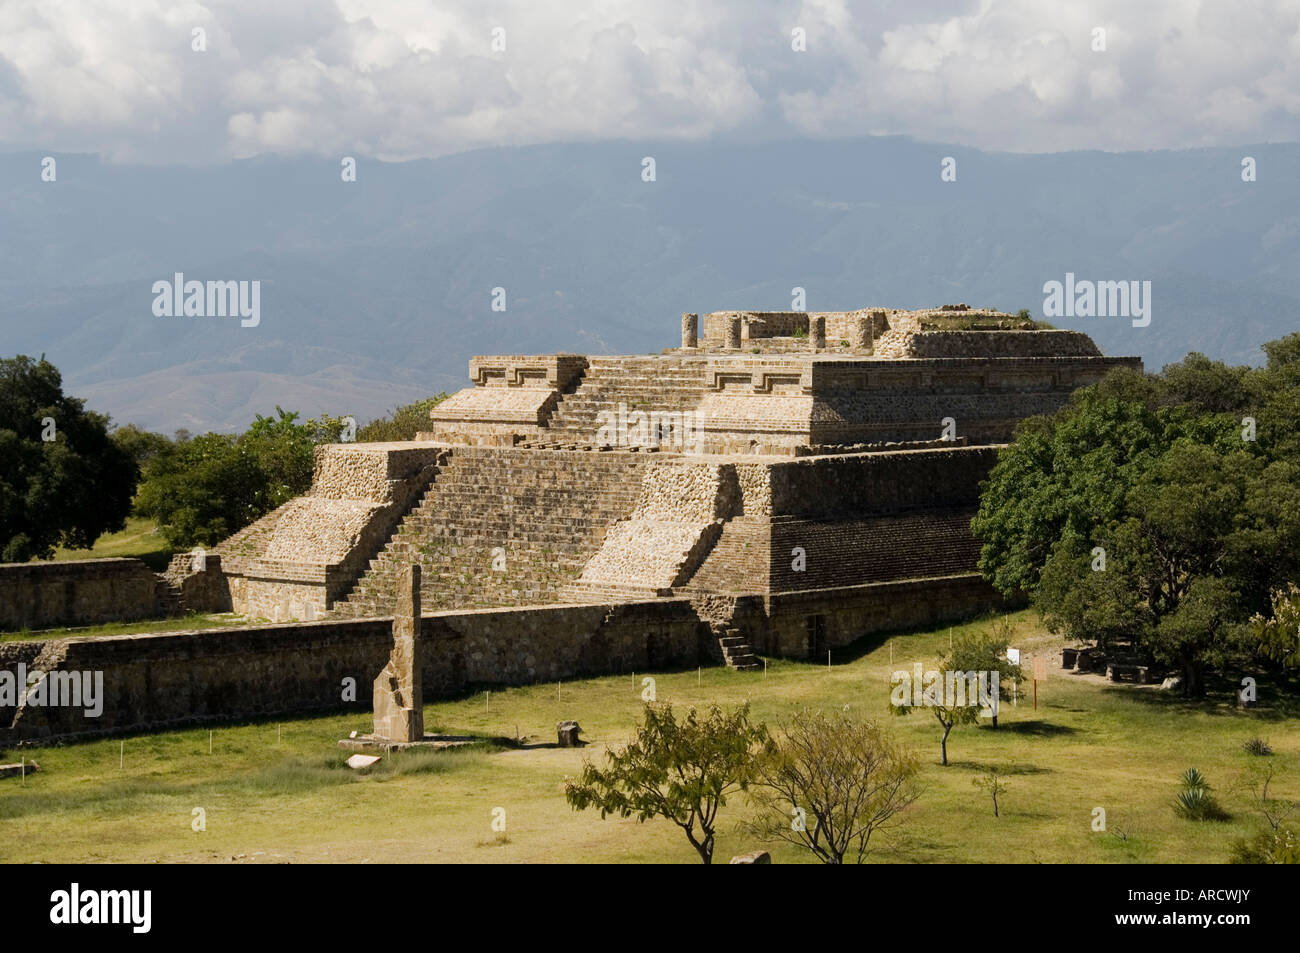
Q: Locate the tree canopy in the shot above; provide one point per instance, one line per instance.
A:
(1161, 511)
(202, 489)
(63, 480)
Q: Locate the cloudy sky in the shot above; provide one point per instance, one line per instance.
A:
(406, 79)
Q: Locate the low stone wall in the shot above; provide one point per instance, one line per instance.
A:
(182, 678)
(46, 595)
(797, 621)
(1051, 343)
(164, 680)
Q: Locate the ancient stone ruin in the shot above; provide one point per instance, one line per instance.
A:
(770, 468)
(782, 483)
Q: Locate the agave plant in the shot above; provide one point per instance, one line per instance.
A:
(1194, 801)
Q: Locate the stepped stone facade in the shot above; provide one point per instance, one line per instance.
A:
(782, 483)
(773, 453)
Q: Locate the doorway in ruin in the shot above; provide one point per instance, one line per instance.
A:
(816, 637)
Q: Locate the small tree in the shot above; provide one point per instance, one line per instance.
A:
(679, 770)
(992, 782)
(829, 782)
(945, 694)
(988, 653)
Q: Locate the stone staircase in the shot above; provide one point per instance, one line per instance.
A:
(537, 516)
(168, 597)
(737, 652)
(640, 383)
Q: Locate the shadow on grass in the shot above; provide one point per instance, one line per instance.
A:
(866, 644)
(1034, 728)
(1278, 697)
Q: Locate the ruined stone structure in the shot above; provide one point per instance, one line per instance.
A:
(783, 483)
(772, 455)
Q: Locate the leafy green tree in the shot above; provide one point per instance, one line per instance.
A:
(142, 445)
(1277, 634)
(63, 480)
(827, 783)
(951, 697)
(987, 653)
(202, 489)
(404, 424)
(1161, 511)
(682, 770)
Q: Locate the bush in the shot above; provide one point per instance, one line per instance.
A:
(404, 423)
(1257, 746)
(1280, 846)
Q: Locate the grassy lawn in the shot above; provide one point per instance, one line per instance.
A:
(192, 620)
(140, 539)
(275, 793)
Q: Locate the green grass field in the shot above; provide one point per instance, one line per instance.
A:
(140, 539)
(1089, 745)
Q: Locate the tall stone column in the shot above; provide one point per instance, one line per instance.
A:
(399, 689)
(860, 331)
(690, 330)
(731, 338)
(817, 332)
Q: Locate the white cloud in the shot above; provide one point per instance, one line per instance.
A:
(400, 79)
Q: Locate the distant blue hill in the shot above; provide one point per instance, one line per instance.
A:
(375, 293)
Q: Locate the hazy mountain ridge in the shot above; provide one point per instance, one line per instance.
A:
(377, 292)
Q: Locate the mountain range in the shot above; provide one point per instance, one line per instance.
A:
(376, 292)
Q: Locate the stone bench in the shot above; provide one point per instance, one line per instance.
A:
(1120, 672)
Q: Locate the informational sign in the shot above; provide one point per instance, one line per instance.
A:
(1040, 668)
(1013, 656)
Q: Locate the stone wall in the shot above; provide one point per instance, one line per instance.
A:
(879, 482)
(843, 615)
(45, 595)
(183, 678)
(164, 680)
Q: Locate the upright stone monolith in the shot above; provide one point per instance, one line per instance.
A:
(399, 693)
(731, 333)
(690, 330)
(817, 332)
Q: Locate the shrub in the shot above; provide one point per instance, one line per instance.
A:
(1257, 746)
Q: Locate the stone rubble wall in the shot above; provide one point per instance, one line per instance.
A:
(167, 680)
(846, 614)
(1046, 343)
(46, 595)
